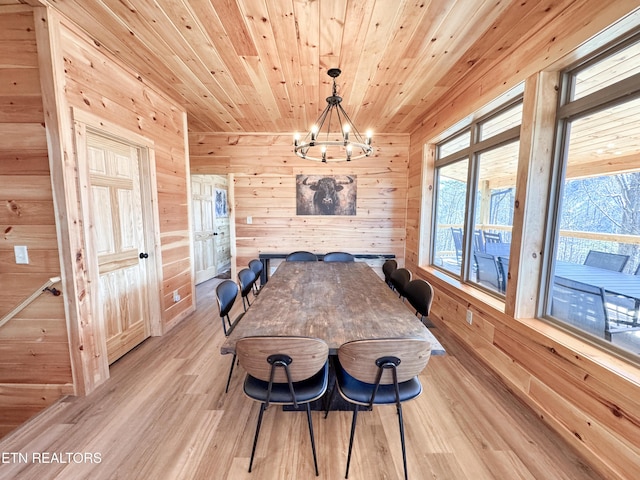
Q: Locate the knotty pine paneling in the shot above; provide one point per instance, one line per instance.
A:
(591, 398)
(35, 367)
(98, 84)
(265, 169)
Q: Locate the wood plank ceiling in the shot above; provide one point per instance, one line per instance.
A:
(260, 65)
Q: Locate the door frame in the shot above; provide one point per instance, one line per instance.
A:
(84, 123)
(229, 216)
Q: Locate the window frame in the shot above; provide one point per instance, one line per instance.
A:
(471, 155)
(567, 112)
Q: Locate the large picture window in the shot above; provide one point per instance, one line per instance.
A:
(593, 283)
(475, 191)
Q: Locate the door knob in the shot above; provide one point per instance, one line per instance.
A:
(144, 255)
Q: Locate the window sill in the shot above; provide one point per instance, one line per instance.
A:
(468, 292)
(623, 367)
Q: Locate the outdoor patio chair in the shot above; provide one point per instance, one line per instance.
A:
(478, 241)
(457, 243)
(492, 237)
(488, 271)
(503, 263)
(581, 305)
(606, 260)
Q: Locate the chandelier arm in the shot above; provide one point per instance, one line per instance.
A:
(351, 125)
(320, 121)
(330, 115)
(351, 137)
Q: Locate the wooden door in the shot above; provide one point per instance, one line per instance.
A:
(202, 197)
(222, 240)
(211, 233)
(114, 178)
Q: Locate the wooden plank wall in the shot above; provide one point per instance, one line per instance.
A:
(35, 363)
(265, 168)
(35, 367)
(591, 398)
(98, 84)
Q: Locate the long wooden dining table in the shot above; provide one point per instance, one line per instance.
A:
(336, 302)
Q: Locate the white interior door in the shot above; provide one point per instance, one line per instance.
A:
(222, 238)
(211, 232)
(114, 177)
(202, 198)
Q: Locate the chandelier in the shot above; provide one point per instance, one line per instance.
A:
(322, 145)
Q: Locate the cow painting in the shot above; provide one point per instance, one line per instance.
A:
(325, 195)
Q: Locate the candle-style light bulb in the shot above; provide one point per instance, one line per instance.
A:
(314, 133)
(324, 153)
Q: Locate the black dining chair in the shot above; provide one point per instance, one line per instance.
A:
(246, 278)
(420, 296)
(381, 372)
(388, 268)
(256, 267)
(284, 371)
(606, 260)
(339, 257)
(301, 256)
(226, 294)
(400, 278)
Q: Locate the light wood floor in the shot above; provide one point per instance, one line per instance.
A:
(164, 415)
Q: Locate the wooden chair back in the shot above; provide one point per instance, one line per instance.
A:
(308, 356)
(359, 357)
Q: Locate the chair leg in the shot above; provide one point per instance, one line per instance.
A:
(404, 450)
(224, 327)
(328, 401)
(313, 443)
(255, 439)
(233, 361)
(353, 432)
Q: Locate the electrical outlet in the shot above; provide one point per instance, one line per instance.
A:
(176, 296)
(469, 317)
(21, 253)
